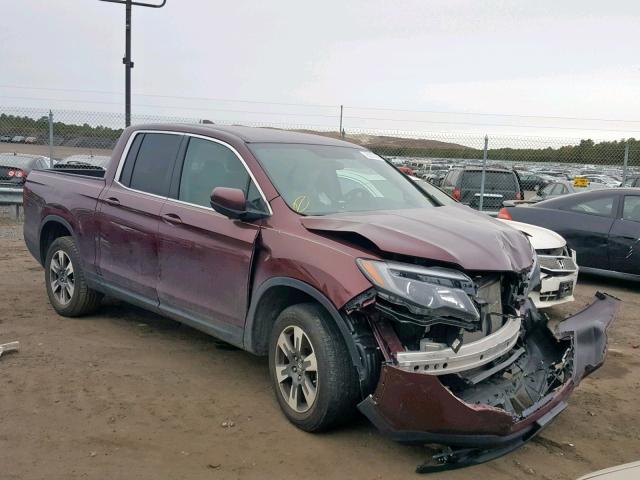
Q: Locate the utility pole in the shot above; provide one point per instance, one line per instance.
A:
(128, 63)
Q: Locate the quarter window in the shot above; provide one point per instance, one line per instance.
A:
(631, 210)
(153, 166)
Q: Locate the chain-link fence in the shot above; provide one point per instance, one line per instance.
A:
(481, 171)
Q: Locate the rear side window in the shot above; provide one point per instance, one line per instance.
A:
(451, 178)
(600, 206)
(154, 163)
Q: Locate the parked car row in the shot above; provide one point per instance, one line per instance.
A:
(19, 139)
(602, 226)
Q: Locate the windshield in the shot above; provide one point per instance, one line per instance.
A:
(322, 179)
(434, 191)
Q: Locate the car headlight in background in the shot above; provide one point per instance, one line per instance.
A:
(534, 273)
(423, 290)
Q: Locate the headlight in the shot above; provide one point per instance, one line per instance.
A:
(423, 290)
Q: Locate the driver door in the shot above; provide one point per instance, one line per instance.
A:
(205, 257)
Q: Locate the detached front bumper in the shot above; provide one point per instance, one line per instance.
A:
(416, 407)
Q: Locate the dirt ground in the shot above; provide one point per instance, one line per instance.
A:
(126, 394)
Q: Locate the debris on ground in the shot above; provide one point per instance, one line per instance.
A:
(9, 347)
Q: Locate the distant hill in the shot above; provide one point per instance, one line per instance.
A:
(376, 142)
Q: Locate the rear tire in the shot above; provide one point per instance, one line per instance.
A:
(313, 377)
(66, 285)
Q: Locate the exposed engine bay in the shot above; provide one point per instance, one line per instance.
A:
(478, 334)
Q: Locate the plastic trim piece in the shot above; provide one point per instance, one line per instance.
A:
(470, 355)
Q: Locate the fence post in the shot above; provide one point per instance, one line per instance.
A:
(341, 111)
(484, 168)
(626, 163)
(50, 139)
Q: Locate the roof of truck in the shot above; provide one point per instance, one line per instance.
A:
(252, 134)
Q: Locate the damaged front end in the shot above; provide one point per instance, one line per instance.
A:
(468, 362)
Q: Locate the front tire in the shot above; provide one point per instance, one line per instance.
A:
(313, 377)
(66, 285)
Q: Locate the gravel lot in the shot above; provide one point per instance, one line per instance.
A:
(128, 394)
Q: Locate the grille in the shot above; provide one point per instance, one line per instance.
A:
(557, 264)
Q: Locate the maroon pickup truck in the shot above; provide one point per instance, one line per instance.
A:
(360, 288)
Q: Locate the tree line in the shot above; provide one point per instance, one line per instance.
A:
(586, 152)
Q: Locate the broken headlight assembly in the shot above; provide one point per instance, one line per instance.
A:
(424, 291)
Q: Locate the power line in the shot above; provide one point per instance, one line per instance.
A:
(545, 117)
(175, 107)
(389, 109)
(104, 92)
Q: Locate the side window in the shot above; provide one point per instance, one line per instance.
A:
(125, 175)
(602, 206)
(631, 209)
(629, 182)
(548, 189)
(154, 163)
(450, 179)
(445, 180)
(557, 189)
(208, 165)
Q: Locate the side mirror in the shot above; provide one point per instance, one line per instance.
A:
(232, 203)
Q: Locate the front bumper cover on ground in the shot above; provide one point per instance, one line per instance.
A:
(417, 408)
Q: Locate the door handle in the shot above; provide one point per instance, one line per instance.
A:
(112, 201)
(172, 218)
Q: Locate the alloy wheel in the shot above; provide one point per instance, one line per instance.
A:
(296, 369)
(61, 277)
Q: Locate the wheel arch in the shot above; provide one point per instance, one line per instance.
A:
(277, 293)
(51, 228)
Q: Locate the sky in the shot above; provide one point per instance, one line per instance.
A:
(543, 68)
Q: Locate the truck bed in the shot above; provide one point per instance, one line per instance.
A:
(70, 195)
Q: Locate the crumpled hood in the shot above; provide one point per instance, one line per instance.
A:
(451, 234)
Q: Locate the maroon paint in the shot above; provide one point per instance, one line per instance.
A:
(204, 262)
(447, 234)
(230, 198)
(127, 230)
(69, 197)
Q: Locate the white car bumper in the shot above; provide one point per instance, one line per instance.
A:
(558, 276)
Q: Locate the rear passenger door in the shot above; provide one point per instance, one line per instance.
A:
(205, 257)
(624, 238)
(129, 212)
